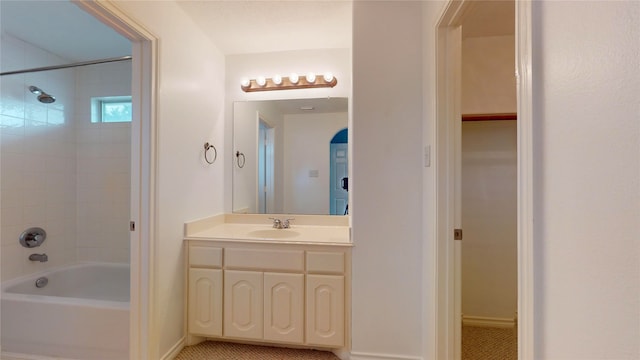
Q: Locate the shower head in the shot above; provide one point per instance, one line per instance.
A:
(43, 97)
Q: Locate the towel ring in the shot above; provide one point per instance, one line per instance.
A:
(244, 160)
(208, 147)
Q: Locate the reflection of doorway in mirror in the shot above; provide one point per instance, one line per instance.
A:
(339, 166)
(265, 189)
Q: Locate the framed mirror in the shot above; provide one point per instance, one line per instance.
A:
(291, 156)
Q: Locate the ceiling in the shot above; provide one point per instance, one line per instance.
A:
(61, 28)
(236, 27)
(490, 18)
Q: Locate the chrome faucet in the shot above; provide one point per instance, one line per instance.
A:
(281, 224)
(38, 257)
(277, 223)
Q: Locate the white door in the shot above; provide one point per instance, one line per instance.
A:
(284, 307)
(243, 304)
(339, 196)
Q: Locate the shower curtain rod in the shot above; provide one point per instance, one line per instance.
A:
(56, 67)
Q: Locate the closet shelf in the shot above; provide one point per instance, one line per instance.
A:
(488, 117)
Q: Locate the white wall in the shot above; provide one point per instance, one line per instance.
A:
(489, 179)
(38, 159)
(307, 139)
(488, 75)
(103, 167)
(245, 140)
(386, 209)
(189, 113)
(587, 179)
(489, 209)
(338, 61)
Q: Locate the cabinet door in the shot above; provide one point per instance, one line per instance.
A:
(205, 302)
(243, 304)
(325, 310)
(284, 307)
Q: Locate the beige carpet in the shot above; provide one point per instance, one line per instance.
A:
(486, 343)
(211, 350)
(478, 343)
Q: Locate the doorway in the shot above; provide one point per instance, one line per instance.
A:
(265, 167)
(339, 174)
(447, 301)
(143, 170)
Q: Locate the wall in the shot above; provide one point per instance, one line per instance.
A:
(245, 140)
(489, 208)
(307, 139)
(386, 208)
(488, 75)
(38, 159)
(239, 66)
(489, 179)
(103, 167)
(587, 179)
(190, 94)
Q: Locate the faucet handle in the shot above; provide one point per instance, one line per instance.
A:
(285, 223)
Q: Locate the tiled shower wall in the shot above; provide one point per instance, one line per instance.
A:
(57, 169)
(104, 153)
(37, 161)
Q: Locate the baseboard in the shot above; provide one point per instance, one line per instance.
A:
(484, 321)
(16, 356)
(371, 356)
(175, 350)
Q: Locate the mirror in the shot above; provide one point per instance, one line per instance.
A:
(290, 156)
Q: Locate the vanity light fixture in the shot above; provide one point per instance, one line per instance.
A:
(293, 81)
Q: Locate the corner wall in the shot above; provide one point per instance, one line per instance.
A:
(387, 180)
(586, 141)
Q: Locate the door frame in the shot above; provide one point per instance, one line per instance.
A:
(445, 306)
(143, 173)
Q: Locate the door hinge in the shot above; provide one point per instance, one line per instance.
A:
(457, 234)
(132, 226)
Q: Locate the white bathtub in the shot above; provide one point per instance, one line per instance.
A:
(82, 313)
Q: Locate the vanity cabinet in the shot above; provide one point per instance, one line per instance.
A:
(243, 304)
(205, 291)
(289, 294)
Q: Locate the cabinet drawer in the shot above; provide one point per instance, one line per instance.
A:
(325, 262)
(264, 260)
(205, 256)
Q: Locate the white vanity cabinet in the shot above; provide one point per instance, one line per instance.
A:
(205, 290)
(269, 293)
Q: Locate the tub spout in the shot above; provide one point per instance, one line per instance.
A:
(38, 257)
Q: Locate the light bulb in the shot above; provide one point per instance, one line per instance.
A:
(261, 81)
(328, 77)
(311, 77)
(293, 78)
(245, 82)
(277, 79)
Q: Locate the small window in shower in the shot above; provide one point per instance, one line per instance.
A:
(111, 109)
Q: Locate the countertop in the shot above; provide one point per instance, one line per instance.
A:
(305, 229)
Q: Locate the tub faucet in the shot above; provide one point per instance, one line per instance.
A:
(38, 257)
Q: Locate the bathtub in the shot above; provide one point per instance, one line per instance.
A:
(82, 313)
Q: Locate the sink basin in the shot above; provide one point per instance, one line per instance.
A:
(274, 233)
